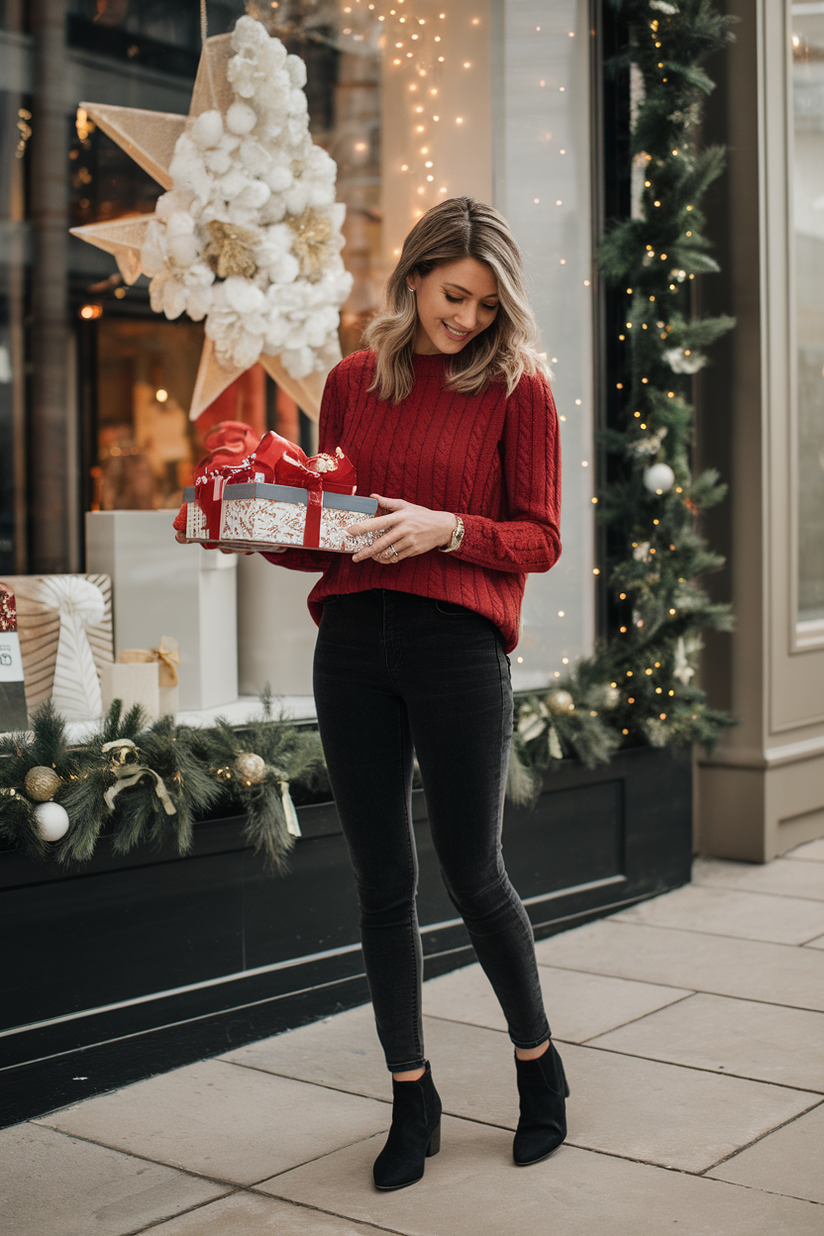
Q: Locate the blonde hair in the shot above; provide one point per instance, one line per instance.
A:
(458, 228)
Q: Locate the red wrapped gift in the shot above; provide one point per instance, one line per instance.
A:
(277, 496)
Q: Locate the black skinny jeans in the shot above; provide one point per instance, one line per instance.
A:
(395, 672)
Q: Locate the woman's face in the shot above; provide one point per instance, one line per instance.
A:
(455, 302)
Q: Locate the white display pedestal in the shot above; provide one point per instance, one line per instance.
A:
(276, 635)
(162, 588)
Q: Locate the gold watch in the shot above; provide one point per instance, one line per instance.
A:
(457, 537)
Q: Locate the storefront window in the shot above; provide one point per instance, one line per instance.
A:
(808, 199)
(415, 102)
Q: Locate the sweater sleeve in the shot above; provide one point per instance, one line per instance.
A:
(528, 538)
(330, 424)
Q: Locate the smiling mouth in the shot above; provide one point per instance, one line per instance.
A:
(455, 334)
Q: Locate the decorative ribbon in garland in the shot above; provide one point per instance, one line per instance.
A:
(128, 772)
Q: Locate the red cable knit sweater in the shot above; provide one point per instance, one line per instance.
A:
(494, 461)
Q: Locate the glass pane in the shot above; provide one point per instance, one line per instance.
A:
(15, 131)
(808, 185)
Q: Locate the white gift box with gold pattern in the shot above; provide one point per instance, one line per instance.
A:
(256, 515)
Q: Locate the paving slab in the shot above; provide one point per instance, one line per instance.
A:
(472, 1188)
(783, 876)
(673, 1116)
(750, 969)
(53, 1185)
(788, 1161)
(579, 1006)
(249, 1214)
(223, 1121)
(341, 1052)
(761, 1041)
(818, 943)
(810, 851)
(622, 1105)
(726, 912)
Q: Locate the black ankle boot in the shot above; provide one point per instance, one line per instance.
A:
(542, 1087)
(415, 1134)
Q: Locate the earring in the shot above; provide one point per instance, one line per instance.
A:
(411, 289)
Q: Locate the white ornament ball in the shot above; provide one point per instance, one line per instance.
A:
(560, 702)
(42, 783)
(250, 767)
(659, 479)
(52, 821)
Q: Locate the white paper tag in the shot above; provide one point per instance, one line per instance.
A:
(11, 662)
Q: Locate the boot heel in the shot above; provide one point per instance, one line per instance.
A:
(434, 1141)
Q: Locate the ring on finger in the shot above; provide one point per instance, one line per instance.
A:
(394, 551)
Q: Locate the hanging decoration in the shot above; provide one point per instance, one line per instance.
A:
(127, 770)
(659, 479)
(52, 820)
(250, 768)
(36, 769)
(248, 234)
(41, 783)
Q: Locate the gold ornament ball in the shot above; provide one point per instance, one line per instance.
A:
(560, 702)
(41, 783)
(250, 767)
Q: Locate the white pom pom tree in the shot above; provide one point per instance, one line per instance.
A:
(248, 233)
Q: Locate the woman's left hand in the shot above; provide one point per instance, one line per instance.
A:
(402, 530)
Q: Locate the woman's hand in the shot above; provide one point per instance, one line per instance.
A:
(402, 530)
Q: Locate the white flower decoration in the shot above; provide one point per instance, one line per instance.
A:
(249, 236)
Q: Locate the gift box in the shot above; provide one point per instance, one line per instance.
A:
(160, 586)
(135, 682)
(277, 496)
(259, 516)
(144, 676)
(13, 712)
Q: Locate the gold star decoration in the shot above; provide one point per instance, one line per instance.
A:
(150, 138)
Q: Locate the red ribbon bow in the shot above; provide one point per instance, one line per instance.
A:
(229, 443)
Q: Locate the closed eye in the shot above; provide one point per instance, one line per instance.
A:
(456, 300)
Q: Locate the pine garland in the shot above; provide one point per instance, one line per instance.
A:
(171, 775)
(637, 688)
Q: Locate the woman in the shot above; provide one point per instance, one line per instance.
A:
(450, 423)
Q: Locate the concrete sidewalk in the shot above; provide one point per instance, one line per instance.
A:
(692, 1031)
